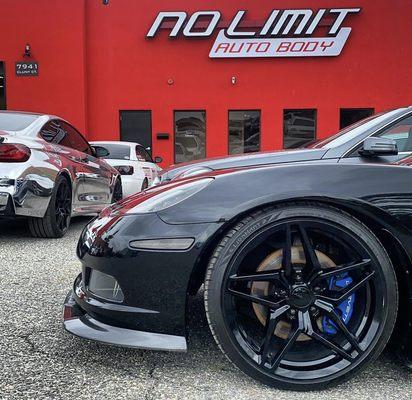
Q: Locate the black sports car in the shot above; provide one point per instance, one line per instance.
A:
(343, 147)
(306, 268)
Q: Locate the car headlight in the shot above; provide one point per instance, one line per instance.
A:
(170, 197)
(192, 172)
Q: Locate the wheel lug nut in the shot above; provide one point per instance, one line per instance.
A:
(292, 311)
(312, 309)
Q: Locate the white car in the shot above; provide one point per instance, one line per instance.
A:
(136, 166)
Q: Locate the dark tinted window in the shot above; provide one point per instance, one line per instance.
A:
(77, 141)
(407, 161)
(16, 122)
(401, 133)
(142, 154)
(244, 131)
(350, 132)
(190, 134)
(299, 127)
(53, 132)
(117, 151)
(60, 132)
(349, 116)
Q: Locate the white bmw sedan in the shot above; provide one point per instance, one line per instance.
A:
(135, 164)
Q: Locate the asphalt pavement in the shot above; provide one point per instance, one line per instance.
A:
(38, 360)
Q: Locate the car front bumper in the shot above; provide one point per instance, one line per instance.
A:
(154, 283)
(79, 323)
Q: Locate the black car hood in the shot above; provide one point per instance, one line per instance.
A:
(246, 160)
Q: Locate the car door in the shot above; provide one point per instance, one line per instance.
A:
(95, 173)
(63, 156)
(148, 166)
(400, 132)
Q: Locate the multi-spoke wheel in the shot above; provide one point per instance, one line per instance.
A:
(56, 221)
(301, 297)
(63, 206)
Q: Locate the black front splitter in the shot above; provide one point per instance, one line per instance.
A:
(79, 323)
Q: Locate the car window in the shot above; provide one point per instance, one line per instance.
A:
(117, 151)
(350, 132)
(62, 133)
(16, 122)
(77, 141)
(142, 154)
(53, 132)
(406, 161)
(401, 133)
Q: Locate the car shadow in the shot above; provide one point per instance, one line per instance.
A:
(18, 228)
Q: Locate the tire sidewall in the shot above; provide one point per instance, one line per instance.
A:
(116, 185)
(259, 221)
(52, 209)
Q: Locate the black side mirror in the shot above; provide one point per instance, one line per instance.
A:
(375, 146)
(158, 160)
(100, 151)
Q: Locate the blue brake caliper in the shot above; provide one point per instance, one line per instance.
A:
(344, 309)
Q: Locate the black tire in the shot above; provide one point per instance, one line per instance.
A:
(56, 221)
(294, 369)
(117, 191)
(145, 185)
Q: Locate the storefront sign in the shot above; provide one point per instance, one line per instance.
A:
(286, 33)
(25, 68)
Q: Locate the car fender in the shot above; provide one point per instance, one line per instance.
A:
(379, 196)
(31, 184)
(394, 236)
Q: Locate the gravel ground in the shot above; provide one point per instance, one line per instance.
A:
(40, 361)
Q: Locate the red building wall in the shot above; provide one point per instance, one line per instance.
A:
(95, 60)
(55, 31)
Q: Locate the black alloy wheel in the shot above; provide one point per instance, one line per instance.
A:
(56, 221)
(117, 191)
(63, 206)
(301, 297)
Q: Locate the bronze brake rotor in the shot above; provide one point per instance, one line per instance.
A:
(274, 262)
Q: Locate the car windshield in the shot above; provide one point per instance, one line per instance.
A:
(117, 151)
(349, 132)
(16, 122)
